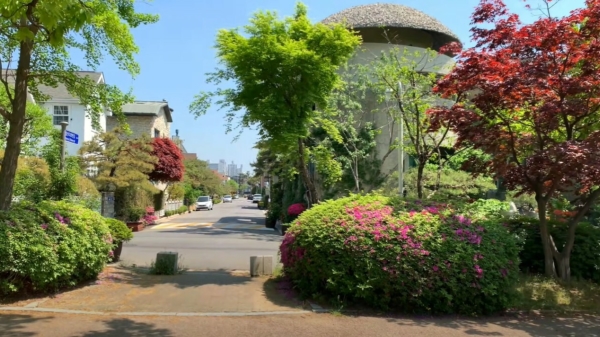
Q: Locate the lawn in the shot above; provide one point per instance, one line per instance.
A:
(540, 293)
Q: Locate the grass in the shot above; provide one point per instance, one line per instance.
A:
(540, 293)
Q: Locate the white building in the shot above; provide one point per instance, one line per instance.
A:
(387, 26)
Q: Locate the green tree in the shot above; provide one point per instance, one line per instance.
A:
(200, 177)
(36, 36)
(282, 69)
(120, 160)
(232, 186)
(63, 182)
(418, 73)
(37, 125)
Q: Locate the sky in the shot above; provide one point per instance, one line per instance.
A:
(177, 52)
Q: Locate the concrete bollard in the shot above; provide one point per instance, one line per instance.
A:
(261, 265)
(166, 263)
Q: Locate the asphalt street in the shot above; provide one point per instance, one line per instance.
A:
(221, 239)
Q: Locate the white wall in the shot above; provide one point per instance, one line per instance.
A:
(371, 51)
(79, 123)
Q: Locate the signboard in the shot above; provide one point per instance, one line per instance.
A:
(72, 137)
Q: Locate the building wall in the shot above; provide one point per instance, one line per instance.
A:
(441, 64)
(140, 125)
(77, 122)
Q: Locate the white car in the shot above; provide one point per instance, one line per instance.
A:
(227, 198)
(256, 198)
(204, 202)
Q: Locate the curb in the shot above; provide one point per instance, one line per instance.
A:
(141, 313)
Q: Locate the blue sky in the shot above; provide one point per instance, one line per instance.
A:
(177, 52)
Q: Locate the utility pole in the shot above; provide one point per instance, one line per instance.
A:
(400, 142)
(63, 134)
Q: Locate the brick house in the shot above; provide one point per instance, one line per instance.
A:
(145, 117)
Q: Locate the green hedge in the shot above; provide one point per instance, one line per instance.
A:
(585, 257)
(217, 201)
(412, 256)
(180, 210)
(51, 245)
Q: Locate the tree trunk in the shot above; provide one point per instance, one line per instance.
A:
(420, 169)
(549, 269)
(563, 266)
(16, 124)
(438, 177)
(313, 198)
(356, 178)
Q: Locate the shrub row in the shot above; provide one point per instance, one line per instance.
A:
(180, 210)
(217, 201)
(403, 255)
(52, 245)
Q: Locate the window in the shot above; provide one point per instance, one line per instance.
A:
(61, 114)
(156, 133)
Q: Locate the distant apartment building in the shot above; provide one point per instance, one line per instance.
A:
(222, 166)
(214, 166)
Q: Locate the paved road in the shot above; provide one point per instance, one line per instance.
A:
(223, 238)
(309, 325)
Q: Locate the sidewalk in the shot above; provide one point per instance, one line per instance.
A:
(127, 290)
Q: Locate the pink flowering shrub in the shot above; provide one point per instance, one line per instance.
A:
(407, 255)
(296, 209)
(51, 245)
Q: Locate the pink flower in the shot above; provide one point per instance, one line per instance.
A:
(435, 268)
(44, 226)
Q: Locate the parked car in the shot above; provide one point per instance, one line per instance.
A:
(204, 202)
(250, 196)
(256, 198)
(235, 196)
(227, 198)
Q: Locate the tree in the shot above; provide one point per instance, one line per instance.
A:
(38, 125)
(37, 35)
(198, 176)
(169, 168)
(232, 186)
(529, 98)
(417, 73)
(120, 160)
(63, 182)
(281, 70)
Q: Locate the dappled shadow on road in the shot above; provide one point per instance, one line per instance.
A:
(250, 207)
(15, 325)
(280, 291)
(533, 325)
(140, 277)
(123, 327)
(246, 220)
(243, 233)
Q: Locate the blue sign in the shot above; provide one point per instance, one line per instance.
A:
(72, 137)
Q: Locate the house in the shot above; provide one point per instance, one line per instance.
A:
(64, 107)
(152, 118)
(383, 27)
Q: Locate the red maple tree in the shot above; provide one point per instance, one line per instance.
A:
(529, 94)
(169, 167)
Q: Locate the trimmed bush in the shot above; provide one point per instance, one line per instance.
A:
(216, 201)
(119, 230)
(416, 257)
(585, 257)
(51, 245)
(180, 210)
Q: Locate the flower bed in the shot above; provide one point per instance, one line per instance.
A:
(412, 256)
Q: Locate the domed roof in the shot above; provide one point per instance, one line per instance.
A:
(390, 16)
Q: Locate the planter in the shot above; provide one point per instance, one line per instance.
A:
(270, 223)
(284, 229)
(136, 226)
(117, 252)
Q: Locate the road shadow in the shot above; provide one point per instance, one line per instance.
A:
(15, 325)
(279, 291)
(533, 325)
(247, 220)
(142, 278)
(243, 233)
(250, 207)
(123, 327)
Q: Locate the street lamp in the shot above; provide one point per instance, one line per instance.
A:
(400, 93)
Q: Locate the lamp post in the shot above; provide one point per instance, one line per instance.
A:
(63, 134)
(400, 140)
